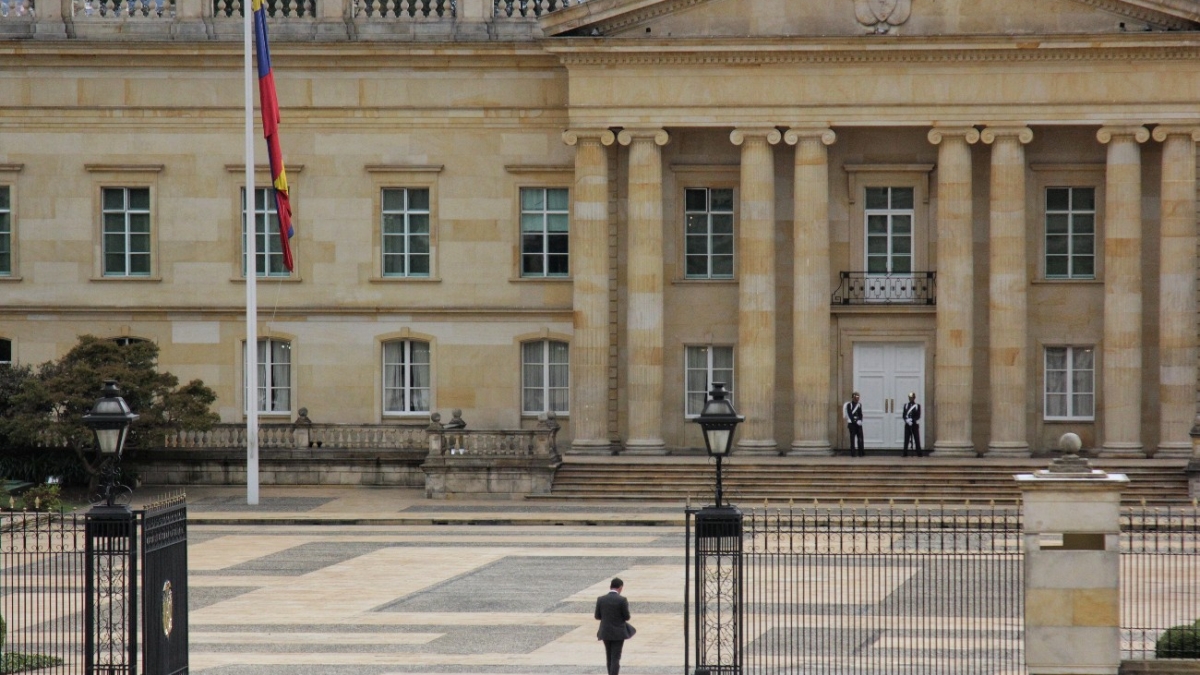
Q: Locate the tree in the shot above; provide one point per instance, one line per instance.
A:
(44, 408)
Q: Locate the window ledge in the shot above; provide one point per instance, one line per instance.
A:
(274, 417)
(536, 416)
(151, 278)
(1076, 282)
(393, 280)
(294, 278)
(406, 417)
(1067, 420)
(528, 280)
(13, 278)
(686, 280)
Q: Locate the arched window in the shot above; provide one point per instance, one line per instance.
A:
(407, 383)
(274, 376)
(545, 377)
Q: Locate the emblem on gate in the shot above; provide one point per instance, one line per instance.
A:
(168, 608)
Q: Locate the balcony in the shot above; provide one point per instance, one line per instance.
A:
(861, 288)
(291, 20)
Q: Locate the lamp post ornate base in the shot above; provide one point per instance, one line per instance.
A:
(718, 590)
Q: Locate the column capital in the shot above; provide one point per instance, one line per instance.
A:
(629, 134)
(794, 134)
(574, 136)
(1023, 134)
(1136, 132)
(938, 134)
(1161, 131)
(740, 134)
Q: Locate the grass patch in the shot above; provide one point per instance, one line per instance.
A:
(19, 663)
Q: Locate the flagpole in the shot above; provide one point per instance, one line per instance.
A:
(250, 270)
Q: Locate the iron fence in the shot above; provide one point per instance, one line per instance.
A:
(1160, 576)
(42, 562)
(884, 589)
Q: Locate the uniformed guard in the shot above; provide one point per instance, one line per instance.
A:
(852, 412)
(912, 425)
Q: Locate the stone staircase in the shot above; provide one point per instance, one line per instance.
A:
(751, 480)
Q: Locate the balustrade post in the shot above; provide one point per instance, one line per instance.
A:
(50, 23)
(476, 10)
(331, 19)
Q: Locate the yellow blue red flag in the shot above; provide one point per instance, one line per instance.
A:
(270, 118)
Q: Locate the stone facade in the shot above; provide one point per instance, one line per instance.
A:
(971, 115)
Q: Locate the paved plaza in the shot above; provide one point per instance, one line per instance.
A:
(289, 587)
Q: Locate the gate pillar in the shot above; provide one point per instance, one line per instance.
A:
(1072, 565)
(719, 591)
(111, 612)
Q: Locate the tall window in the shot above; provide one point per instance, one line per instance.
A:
(1070, 383)
(889, 213)
(5, 352)
(544, 232)
(126, 232)
(406, 378)
(5, 232)
(708, 233)
(1070, 233)
(545, 377)
(405, 232)
(268, 248)
(704, 366)
(274, 376)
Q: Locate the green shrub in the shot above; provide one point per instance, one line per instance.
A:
(1179, 642)
(43, 497)
(35, 465)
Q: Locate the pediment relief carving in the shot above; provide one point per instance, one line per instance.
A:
(881, 16)
(667, 19)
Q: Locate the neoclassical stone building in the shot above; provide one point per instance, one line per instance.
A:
(598, 208)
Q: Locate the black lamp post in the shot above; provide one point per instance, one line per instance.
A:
(718, 420)
(111, 545)
(110, 419)
(718, 553)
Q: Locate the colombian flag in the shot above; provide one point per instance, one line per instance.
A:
(270, 117)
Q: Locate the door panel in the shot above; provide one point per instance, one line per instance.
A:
(884, 373)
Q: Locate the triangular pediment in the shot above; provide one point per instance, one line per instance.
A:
(844, 18)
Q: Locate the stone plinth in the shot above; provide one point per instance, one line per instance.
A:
(483, 477)
(1072, 565)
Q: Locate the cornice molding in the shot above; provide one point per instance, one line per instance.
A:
(11, 168)
(403, 168)
(124, 168)
(263, 168)
(1012, 50)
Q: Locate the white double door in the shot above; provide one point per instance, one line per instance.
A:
(884, 374)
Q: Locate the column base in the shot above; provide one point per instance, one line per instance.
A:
(954, 449)
(652, 446)
(583, 447)
(810, 449)
(1174, 451)
(1008, 449)
(1122, 451)
(765, 448)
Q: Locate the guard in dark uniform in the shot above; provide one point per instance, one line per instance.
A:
(912, 425)
(853, 414)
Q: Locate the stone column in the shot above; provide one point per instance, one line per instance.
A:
(952, 373)
(1121, 365)
(1177, 291)
(754, 386)
(810, 296)
(589, 263)
(644, 285)
(1008, 289)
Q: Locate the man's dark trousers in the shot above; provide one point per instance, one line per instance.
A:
(912, 434)
(856, 440)
(612, 651)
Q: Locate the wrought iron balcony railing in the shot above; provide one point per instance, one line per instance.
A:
(862, 288)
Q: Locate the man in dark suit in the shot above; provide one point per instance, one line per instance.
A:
(612, 610)
(852, 412)
(912, 424)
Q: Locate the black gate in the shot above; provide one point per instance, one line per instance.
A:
(70, 586)
(888, 590)
(164, 587)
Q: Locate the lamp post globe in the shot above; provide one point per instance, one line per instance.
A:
(718, 420)
(110, 419)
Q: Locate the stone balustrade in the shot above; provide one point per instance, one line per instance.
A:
(291, 20)
(539, 442)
